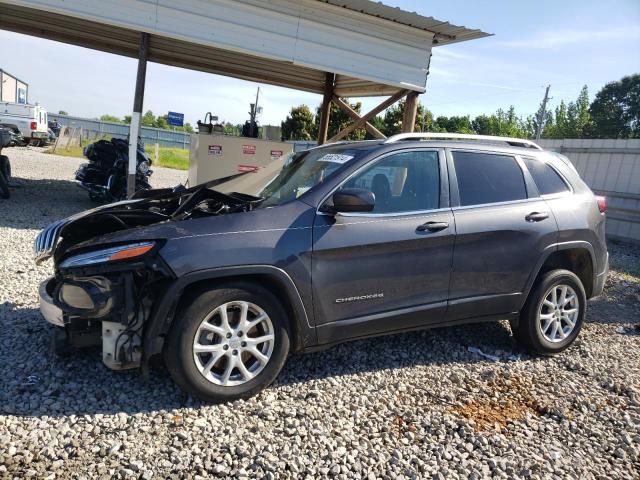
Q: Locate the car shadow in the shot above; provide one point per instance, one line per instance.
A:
(36, 382)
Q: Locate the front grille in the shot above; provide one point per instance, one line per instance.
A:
(45, 242)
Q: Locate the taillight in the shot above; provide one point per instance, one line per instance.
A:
(34, 125)
(602, 203)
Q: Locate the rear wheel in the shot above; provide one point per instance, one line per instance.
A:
(227, 343)
(553, 314)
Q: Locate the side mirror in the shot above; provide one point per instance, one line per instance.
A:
(353, 200)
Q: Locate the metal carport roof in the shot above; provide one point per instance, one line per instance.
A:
(342, 48)
(374, 49)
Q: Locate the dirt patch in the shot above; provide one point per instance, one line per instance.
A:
(510, 400)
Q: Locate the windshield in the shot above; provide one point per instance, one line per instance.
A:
(303, 170)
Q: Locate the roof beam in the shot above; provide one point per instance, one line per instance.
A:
(355, 116)
(370, 114)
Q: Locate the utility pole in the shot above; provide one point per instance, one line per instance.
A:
(253, 113)
(542, 112)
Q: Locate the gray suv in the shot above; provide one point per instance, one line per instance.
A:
(349, 240)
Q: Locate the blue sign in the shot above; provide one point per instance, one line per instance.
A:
(175, 119)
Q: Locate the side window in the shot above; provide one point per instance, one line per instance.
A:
(547, 179)
(488, 178)
(402, 182)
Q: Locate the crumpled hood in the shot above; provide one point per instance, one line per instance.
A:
(106, 223)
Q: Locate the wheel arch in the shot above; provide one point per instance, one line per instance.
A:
(576, 256)
(273, 279)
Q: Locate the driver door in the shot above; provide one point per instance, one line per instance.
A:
(387, 269)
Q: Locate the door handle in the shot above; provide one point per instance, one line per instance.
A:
(536, 216)
(433, 226)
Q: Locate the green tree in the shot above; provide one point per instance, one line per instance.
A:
(299, 124)
(231, 129)
(110, 118)
(616, 109)
(162, 122)
(62, 112)
(148, 119)
(455, 124)
(393, 116)
(338, 120)
(583, 120)
(127, 119)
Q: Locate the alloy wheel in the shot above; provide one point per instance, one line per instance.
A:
(558, 313)
(233, 343)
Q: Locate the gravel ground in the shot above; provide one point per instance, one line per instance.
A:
(416, 405)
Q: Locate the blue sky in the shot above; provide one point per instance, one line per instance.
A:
(563, 43)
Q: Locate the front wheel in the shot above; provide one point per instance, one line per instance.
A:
(4, 187)
(227, 343)
(5, 167)
(553, 314)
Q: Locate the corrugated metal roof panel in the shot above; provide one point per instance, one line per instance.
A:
(446, 32)
(281, 42)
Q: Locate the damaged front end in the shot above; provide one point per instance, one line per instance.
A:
(108, 274)
(106, 303)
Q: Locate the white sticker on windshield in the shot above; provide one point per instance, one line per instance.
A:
(336, 158)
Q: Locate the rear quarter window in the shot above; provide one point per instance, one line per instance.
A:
(547, 179)
(488, 178)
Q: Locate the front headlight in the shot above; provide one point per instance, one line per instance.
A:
(121, 252)
(143, 167)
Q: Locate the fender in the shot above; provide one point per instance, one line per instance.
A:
(161, 316)
(554, 247)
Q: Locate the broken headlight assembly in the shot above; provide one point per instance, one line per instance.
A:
(111, 254)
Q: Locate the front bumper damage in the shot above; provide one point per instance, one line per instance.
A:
(49, 310)
(106, 306)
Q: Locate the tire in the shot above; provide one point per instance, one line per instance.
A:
(5, 167)
(189, 369)
(543, 329)
(5, 175)
(4, 187)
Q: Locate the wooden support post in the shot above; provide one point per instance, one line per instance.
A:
(360, 123)
(355, 116)
(138, 100)
(325, 109)
(410, 111)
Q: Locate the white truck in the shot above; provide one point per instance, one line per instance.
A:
(30, 120)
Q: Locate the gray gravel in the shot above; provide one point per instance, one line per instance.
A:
(416, 405)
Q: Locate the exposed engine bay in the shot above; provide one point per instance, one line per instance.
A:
(160, 206)
(106, 295)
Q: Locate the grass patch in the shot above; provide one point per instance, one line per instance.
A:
(177, 158)
(67, 152)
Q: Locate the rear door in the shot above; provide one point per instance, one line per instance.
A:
(502, 227)
(386, 270)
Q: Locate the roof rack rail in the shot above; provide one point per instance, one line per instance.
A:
(514, 142)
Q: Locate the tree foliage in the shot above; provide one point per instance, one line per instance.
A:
(299, 124)
(111, 118)
(616, 109)
(339, 120)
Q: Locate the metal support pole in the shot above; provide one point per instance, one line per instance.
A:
(138, 100)
(410, 111)
(325, 109)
